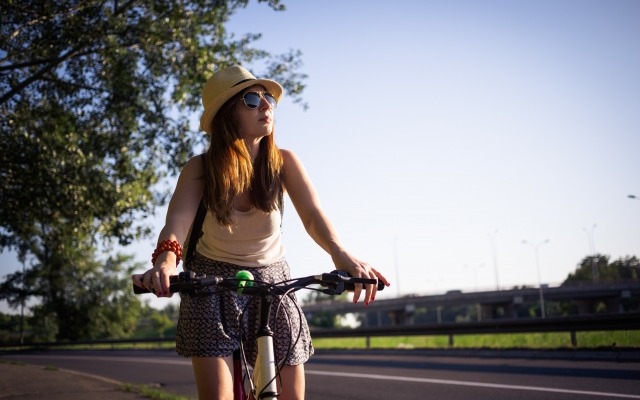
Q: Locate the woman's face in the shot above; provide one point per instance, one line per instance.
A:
(255, 123)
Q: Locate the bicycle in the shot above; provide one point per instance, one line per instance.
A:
(266, 371)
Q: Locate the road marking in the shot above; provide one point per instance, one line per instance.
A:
(474, 384)
(149, 360)
(93, 376)
(362, 376)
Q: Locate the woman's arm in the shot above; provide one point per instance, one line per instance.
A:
(305, 199)
(180, 214)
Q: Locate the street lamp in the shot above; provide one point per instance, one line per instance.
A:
(475, 275)
(590, 238)
(495, 258)
(592, 250)
(395, 262)
(535, 249)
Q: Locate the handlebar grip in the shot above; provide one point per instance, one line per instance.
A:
(350, 286)
(172, 281)
(138, 290)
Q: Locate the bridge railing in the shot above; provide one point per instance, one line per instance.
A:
(571, 325)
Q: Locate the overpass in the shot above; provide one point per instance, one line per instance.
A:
(584, 299)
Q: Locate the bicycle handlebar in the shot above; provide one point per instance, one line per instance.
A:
(335, 283)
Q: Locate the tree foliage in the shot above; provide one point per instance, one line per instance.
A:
(153, 323)
(95, 99)
(598, 268)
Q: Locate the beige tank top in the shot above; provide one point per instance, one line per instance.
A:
(253, 241)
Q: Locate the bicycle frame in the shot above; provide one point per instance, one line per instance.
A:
(265, 370)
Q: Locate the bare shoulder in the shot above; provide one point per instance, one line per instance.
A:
(293, 168)
(287, 153)
(297, 183)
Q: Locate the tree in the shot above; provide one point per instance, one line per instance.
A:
(598, 268)
(153, 323)
(94, 99)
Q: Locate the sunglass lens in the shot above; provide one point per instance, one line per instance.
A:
(271, 100)
(252, 100)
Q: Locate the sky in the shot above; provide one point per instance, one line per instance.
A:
(441, 134)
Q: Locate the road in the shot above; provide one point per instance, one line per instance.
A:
(359, 376)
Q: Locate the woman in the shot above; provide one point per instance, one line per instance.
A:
(242, 179)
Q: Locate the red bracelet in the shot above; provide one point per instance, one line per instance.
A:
(167, 245)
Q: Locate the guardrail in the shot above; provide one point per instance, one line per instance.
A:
(571, 325)
(604, 322)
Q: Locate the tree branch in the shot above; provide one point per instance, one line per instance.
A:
(25, 64)
(17, 89)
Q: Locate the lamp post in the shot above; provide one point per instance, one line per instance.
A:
(535, 249)
(24, 291)
(395, 262)
(592, 243)
(475, 275)
(495, 257)
(592, 249)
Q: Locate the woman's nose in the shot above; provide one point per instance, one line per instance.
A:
(264, 102)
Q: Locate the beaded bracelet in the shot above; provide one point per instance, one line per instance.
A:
(167, 245)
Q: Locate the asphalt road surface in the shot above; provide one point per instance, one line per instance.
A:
(384, 375)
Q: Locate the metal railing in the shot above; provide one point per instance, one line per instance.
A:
(571, 325)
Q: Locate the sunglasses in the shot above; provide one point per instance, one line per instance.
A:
(253, 99)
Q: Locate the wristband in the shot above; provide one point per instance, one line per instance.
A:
(167, 245)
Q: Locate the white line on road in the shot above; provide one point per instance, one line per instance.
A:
(475, 384)
(366, 376)
(150, 360)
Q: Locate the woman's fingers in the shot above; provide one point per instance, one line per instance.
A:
(357, 289)
(370, 290)
(137, 280)
(151, 281)
(380, 277)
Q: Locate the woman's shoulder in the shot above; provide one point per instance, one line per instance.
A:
(289, 156)
(194, 165)
(292, 165)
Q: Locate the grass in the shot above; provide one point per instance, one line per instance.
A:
(151, 392)
(169, 345)
(585, 340)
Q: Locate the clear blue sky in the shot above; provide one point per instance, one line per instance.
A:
(434, 124)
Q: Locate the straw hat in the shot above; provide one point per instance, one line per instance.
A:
(226, 83)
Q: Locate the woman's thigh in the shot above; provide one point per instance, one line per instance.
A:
(214, 377)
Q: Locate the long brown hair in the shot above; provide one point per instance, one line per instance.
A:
(229, 170)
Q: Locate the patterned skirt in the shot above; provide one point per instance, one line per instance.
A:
(214, 325)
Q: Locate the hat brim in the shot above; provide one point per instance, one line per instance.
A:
(212, 108)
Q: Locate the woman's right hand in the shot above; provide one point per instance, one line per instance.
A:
(156, 279)
(183, 207)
